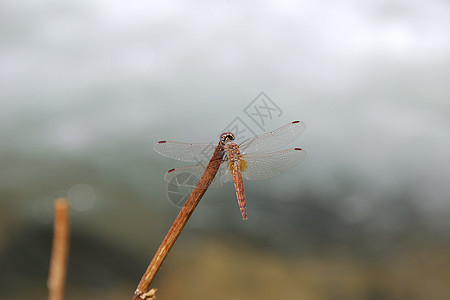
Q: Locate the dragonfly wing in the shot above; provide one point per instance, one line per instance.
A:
(273, 140)
(185, 151)
(223, 175)
(190, 176)
(268, 165)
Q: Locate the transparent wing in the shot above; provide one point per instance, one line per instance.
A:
(268, 165)
(190, 175)
(273, 140)
(185, 151)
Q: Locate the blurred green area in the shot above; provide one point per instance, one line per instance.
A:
(230, 269)
(306, 251)
(221, 265)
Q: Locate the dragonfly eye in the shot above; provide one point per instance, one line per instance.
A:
(226, 137)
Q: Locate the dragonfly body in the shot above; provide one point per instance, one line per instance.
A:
(253, 159)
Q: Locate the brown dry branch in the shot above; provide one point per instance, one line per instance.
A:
(177, 226)
(60, 251)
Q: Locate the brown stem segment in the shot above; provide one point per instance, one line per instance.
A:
(60, 251)
(178, 225)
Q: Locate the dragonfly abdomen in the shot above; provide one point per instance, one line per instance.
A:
(240, 194)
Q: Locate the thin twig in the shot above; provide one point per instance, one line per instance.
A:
(60, 250)
(178, 225)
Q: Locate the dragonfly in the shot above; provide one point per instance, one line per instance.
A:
(255, 158)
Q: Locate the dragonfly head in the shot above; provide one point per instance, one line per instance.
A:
(226, 137)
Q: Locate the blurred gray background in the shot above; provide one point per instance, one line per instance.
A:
(87, 88)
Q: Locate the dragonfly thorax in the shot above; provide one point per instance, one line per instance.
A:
(232, 152)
